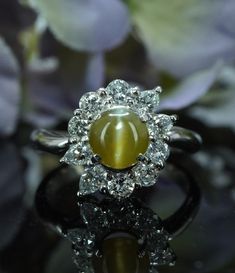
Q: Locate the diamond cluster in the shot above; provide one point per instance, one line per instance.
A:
(101, 219)
(146, 171)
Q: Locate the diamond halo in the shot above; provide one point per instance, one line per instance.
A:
(146, 170)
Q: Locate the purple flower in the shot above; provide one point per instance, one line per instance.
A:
(10, 90)
(185, 36)
(91, 25)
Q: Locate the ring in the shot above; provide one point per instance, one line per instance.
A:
(102, 230)
(118, 138)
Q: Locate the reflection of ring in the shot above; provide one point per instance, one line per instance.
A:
(102, 228)
(118, 138)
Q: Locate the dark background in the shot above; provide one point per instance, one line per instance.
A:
(53, 51)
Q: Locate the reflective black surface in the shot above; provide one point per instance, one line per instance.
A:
(30, 238)
(93, 222)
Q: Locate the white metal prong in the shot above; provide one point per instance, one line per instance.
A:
(174, 118)
(102, 92)
(158, 89)
(166, 138)
(160, 165)
(96, 158)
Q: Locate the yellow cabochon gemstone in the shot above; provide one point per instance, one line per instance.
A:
(118, 137)
(120, 255)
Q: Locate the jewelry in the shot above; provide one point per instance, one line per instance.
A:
(118, 138)
(103, 229)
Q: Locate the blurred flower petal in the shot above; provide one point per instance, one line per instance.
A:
(190, 89)
(94, 77)
(91, 25)
(54, 90)
(183, 36)
(216, 109)
(11, 193)
(219, 115)
(10, 90)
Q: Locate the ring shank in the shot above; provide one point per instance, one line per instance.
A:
(55, 142)
(185, 214)
(184, 139)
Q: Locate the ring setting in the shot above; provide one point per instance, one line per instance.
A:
(119, 139)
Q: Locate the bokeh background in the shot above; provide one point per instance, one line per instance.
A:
(52, 51)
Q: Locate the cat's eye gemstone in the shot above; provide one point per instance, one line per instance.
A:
(118, 137)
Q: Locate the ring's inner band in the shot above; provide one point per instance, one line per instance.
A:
(184, 215)
(184, 139)
(57, 142)
(68, 216)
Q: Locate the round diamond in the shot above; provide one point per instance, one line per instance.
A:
(143, 113)
(73, 126)
(88, 183)
(82, 262)
(107, 103)
(92, 180)
(158, 152)
(146, 174)
(120, 186)
(117, 86)
(150, 98)
(153, 129)
(90, 102)
(119, 98)
(78, 126)
(148, 180)
(162, 257)
(84, 117)
(165, 123)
